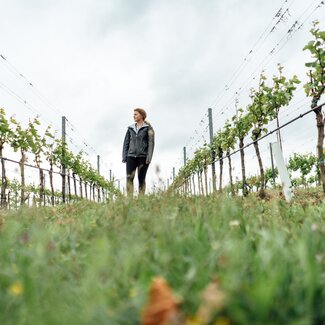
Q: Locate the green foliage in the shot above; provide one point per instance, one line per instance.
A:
(269, 175)
(5, 130)
(229, 137)
(315, 87)
(21, 138)
(242, 124)
(202, 158)
(224, 140)
(39, 143)
(281, 93)
(258, 110)
(268, 100)
(304, 163)
(77, 164)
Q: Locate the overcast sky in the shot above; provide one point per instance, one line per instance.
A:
(94, 61)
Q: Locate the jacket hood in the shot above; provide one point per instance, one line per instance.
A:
(132, 126)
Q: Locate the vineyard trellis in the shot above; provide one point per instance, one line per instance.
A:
(196, 165)
(266, 103)
(55, 152)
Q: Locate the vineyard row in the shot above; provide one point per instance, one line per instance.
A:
(266, 102)
(55, 152)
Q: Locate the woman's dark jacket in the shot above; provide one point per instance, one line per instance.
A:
(139, 144)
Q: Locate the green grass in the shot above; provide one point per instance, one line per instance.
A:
(93, 264)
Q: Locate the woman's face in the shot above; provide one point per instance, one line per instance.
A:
(137, 117)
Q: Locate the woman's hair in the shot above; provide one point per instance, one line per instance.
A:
(143, 113)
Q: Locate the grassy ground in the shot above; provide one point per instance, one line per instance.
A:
(93, 264)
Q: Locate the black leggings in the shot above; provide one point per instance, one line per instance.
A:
(131, 165)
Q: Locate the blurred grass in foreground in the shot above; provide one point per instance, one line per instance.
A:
(93, 264)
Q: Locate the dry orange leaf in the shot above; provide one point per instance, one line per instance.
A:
(162, 308)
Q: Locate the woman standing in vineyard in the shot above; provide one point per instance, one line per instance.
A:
(138, 149)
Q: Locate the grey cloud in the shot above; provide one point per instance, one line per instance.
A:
(117, 15)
